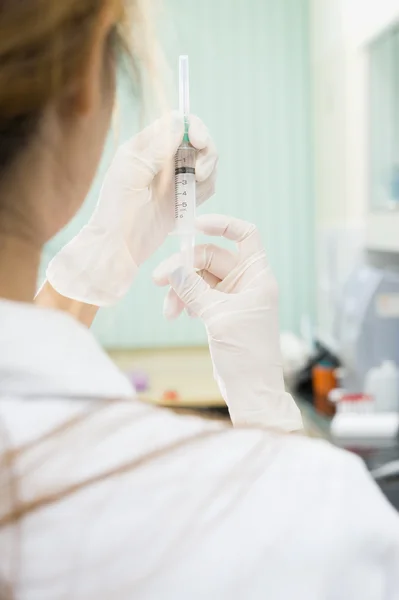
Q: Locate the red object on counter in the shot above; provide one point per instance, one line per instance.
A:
(170, 396)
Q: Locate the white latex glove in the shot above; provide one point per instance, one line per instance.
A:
(134, 214)
(237, 298)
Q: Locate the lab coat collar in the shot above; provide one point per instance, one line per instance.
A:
(46, 352)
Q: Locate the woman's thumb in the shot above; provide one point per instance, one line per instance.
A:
(192, 290)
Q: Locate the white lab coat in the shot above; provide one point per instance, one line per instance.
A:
(227, 515)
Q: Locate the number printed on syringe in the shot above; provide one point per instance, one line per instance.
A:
(185, 189)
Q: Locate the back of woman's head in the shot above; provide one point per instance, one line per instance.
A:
(57, 81)
(43, 45)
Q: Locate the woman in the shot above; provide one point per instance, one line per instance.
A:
(102, 497)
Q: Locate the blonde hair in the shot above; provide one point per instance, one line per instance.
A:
(43, 44)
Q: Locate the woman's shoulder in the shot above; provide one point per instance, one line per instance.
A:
(128, 429)
(187, 497)
(136, 438)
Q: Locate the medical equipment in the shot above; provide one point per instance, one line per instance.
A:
(382, 384)
(185, 159)
(367, 324)
(367, 426)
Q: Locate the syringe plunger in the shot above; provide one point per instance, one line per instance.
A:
(184, 86)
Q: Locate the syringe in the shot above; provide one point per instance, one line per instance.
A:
(185, 158)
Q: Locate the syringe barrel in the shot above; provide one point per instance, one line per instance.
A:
(185, 195)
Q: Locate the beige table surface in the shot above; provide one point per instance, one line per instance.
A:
(188, 371)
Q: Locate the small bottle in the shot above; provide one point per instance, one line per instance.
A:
(323, 381)
(382, 383)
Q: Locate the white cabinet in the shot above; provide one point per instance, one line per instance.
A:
(342, 33)
(383, 146)
(366, 19)
(382, 232)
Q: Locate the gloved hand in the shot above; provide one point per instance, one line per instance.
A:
(134, 214)
(237, 298)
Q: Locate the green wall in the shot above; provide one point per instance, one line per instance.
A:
(250, 83)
